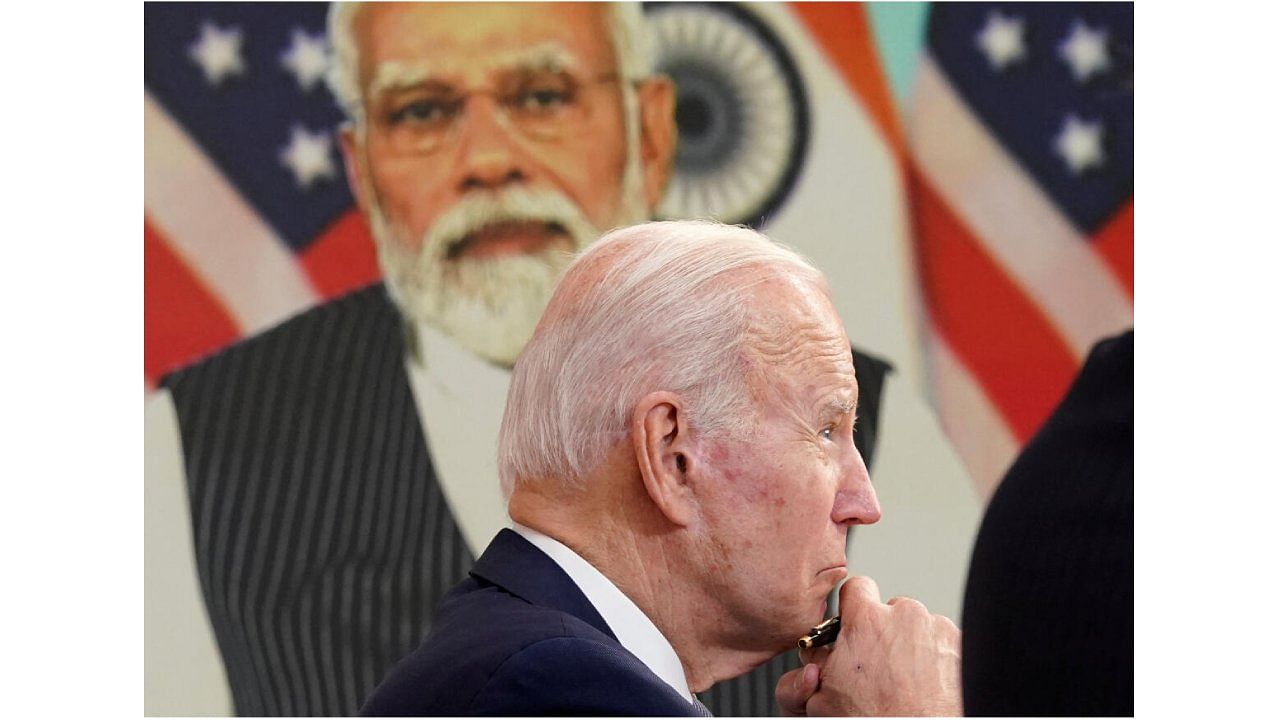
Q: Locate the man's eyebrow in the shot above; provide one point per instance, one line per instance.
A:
(839, 406)
(392, 76)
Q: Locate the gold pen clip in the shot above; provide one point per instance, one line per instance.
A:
(823, 633)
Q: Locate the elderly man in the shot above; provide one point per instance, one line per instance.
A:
(677, 452)
(335, 472)
(332, 500)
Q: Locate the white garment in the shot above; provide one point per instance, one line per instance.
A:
(634, 630)
(459, 398)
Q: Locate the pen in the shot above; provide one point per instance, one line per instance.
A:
(823, 633)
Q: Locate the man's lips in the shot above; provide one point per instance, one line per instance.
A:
(510, 237)
(838, 567)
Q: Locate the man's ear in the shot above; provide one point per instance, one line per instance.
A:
(657, 100)
(357, 178)
(663, 449)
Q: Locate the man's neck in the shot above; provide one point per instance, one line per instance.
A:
(649, 565)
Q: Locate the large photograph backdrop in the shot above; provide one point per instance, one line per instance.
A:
(963, 174)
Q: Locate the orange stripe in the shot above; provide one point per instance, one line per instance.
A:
(842, 30)
(993, 327)
(182, 319)
(1114, 242)
(342, 258)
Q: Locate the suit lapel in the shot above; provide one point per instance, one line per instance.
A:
(513, 563)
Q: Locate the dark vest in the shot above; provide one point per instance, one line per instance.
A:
(323, 543)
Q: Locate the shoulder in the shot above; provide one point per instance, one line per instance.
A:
(366, 311)
(491, 653)
(575, 676)
(352, 339)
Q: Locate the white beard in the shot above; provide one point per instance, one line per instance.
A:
(489, 305)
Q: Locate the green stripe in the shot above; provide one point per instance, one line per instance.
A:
(898, 28)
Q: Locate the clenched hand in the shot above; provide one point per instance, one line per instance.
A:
(891, 658)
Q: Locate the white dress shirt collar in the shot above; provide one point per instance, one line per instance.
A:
(634, 630)
(459, 398)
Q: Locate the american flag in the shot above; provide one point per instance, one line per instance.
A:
(1021, 144)
(248, 218)
(1020, 166)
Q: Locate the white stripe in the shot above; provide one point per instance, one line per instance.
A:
(219, 235)
(1005, 210)
(977, 431)
(848, 211)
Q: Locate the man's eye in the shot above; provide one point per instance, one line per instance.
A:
(542, 98)
(431, 110)
(827, 433)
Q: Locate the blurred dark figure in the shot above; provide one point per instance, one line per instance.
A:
(1048, 609)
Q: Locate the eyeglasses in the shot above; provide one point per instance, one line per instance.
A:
(540, 104)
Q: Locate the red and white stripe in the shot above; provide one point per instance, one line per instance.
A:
(215, 271)
(1014, 296)
(207, 223)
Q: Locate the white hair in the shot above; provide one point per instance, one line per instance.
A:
(658, 306)
(632, 46)
(490, 305)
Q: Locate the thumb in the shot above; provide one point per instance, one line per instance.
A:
(795, 688)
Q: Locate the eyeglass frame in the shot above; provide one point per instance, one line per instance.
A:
(503, 112)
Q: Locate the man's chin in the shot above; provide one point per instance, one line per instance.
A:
(488, 306)
(801, 622)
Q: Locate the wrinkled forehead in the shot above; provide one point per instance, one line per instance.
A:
(795, 338)
(551, 56)
(467, 43)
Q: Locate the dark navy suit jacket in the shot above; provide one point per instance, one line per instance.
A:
(1048, 611)
(519, 638)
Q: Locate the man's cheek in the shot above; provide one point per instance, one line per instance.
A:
(409, 192)
(592, 187)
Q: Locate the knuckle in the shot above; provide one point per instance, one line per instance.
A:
(909, 606)
(861, 584)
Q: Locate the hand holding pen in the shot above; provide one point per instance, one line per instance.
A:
(891, 658)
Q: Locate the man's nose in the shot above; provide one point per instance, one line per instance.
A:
(856, 502)
(489, 153)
